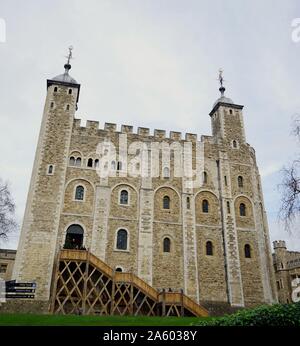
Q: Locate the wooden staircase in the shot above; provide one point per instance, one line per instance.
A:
(83, 284)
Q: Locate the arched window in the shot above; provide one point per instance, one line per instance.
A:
(230, 111)
(247, 250)
(113, 165)
(79, 193)
(166, 202)
(55, 89)
(167, 245)
(119, 269)
(209, 248)
(234, 144)
(204, 178)
(68, 107)
(228, 207)
(188, 203)
(70, 91)
(51, 104)
(205, 206)
(122, 239)
(240, 181)
(242, 209)
(72, 161)
(124, 197)
(119, 166)
(50, 169)
(78, 161)
(166, 173)
(96, 163)
(90, 162)
(74, 237)
(225, 180)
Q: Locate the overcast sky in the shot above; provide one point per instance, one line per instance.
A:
(153, 63)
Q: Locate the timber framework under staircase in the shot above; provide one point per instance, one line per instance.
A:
(83, 284)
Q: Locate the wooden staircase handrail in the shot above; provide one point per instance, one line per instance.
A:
(167, 297)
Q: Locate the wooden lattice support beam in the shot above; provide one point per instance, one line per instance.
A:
(82, 283)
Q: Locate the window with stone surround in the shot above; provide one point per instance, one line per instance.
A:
(122, 237)
(90, 162)
(79, 193)
(188, 203)
(209, 248)
(204, 177)
(50, 169)
(166, 202)
(242, 209)
(78, 161)
(205, 206)
(124, 197)
(72, 161)
(228, 207)
(167, 245)
(240, 181)
(247, 250)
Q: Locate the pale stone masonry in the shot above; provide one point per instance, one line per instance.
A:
(287, 272)
(217, 231)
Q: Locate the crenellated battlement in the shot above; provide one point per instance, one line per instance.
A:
(141, 131)
(279, 244)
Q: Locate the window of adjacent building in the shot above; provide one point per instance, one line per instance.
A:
(247, 250)
(166, 202)
(205, 206)
(122, 237)
(240, 181)
(167, 245)
(79, 193)
(124, 197)
(278, 285)
(242, 209)
(78, 161)
(3, 268)
(209, 248)
(188, 203)
(228, 207)
(90, 162)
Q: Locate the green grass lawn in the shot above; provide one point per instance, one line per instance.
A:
(73, 320)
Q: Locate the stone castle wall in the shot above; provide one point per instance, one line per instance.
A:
(226, 276)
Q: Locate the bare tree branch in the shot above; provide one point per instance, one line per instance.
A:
(7, 212)
(290, 186)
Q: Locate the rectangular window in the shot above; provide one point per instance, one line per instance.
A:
(3, 268)
(225, 180)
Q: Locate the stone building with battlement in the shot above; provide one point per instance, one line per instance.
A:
(206, 234)
(287, 272)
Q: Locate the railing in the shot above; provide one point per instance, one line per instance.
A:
(168, 298)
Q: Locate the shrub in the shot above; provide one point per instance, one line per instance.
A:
(264, 315)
